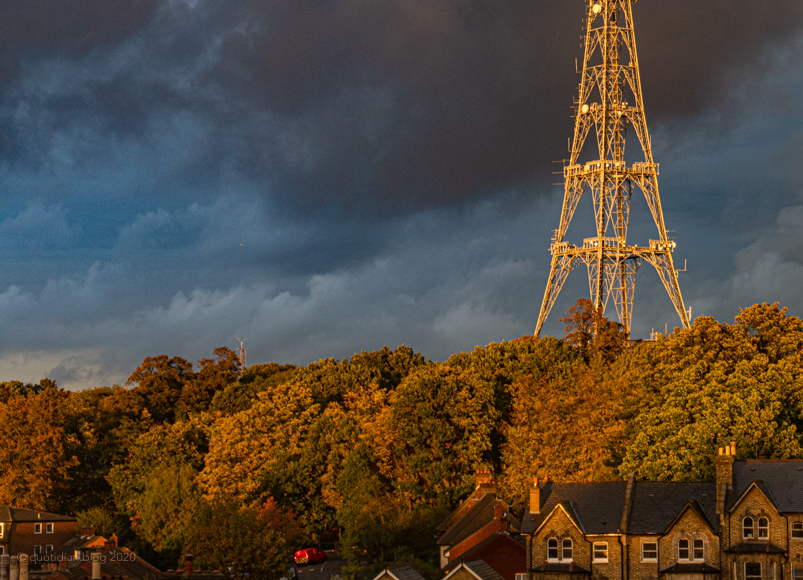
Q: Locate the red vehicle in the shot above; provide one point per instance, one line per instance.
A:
(309, 556)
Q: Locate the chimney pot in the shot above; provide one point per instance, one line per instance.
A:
(188, 563)
(733, 448)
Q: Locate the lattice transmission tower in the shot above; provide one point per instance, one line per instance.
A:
(609, 103)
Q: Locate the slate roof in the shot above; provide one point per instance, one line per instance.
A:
(656, 504)
(755, 548)
(476, 518)
(690, 568)
(598, 506)
(569, 568)
(482, 570)
(783, 479)
(15, 514)
(400, 573)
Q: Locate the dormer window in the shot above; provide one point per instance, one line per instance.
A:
(699, 550)
(683, 549)
(552, 550)
(763, 529)
(566, 550)
(748, 532)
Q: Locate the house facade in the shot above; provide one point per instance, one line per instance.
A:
(747, 525)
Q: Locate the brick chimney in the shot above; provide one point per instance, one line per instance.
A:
(188, 564)
(723, 463)
(535, 497)
(483, 477)
(87, 532)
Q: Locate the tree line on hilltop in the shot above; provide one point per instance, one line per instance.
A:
(375, 450)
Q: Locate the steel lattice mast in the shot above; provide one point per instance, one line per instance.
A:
(609, 102)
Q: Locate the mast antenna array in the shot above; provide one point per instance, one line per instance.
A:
(610, 102)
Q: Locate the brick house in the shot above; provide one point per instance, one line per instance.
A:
(481, 517)
(747, 525)
(34, 532)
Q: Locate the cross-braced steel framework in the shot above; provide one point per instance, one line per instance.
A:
(610, 102)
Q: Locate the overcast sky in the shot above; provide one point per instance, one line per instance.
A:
(321, 177)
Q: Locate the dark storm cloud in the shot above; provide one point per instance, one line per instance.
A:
(388, 106)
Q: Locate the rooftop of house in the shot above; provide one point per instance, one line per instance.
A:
(400, 573)
(15, 514)
(781, 481)
(482, 513)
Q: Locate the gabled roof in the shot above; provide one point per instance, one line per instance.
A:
(694, 506)
(598, 506)
(15, 514)
(762, 487)
(479, 493)
(400, 573)
(782, 478)
(567, 508)
(477, 568)
(656, 504)
(476, 518)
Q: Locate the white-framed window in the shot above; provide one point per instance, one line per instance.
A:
(49, 549)
(37, 550)
(763, 528)
(649, 551)
(2, 550)
(2, 530)
(600, 551)
(49, 528)
(521, 575)
(752, 571)
(797, 571)
(566, 550)
(37, 528)
(748, 532)
(683, 549)
(698, 550)
(797, 530)
(552, 549)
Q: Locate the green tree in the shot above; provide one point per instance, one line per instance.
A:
(714, 383)
(225, 536)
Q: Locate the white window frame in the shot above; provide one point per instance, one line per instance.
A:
(564, 549)
(763, 529)
(556, 557)
(797, 571)
(683, 546)
(49, 527)
(601, 547)
(654, 550)
(37, 550)
(2, 529)
(796, 531)
(760, 571)
(521, 575)
(37, 528)
(2, 550)
(694, 548)
(748, 532)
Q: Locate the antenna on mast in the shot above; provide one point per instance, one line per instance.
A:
(241, 356)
